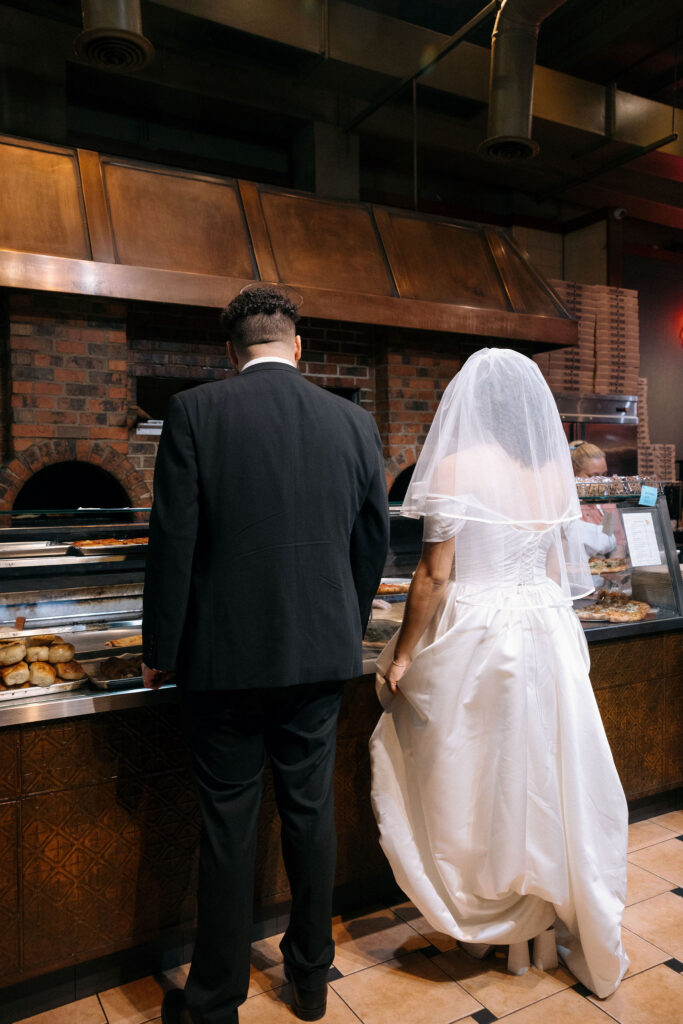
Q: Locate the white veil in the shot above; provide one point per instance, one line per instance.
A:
(496, 453)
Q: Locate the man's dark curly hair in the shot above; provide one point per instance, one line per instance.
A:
(258, 316)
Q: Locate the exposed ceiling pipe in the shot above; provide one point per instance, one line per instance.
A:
(511, 84)
(112, 37)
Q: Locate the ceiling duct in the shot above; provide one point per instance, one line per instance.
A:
(112, 36)
(511, 85)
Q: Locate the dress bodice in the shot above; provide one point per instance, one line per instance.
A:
(502, 556)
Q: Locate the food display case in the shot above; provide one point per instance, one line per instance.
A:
(71, 587)
(638, 582)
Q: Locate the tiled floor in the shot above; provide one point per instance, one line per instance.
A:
(392, 968)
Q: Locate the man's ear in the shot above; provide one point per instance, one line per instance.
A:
(232, 354)
(297, 348)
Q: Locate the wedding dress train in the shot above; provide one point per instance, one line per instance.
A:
(498, 803)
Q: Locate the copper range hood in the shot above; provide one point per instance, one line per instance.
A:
(80, 222)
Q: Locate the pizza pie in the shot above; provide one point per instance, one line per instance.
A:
(598, 566)
(109, 542)
(613, 606)
(393, 588)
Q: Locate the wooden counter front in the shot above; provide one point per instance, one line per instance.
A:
(99, 825)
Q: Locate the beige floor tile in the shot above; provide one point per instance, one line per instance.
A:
(563, 1008)
(274, 1007)
(176, 977)
(642, 954)
(643, 884)
(135, 1003)
(645, 833)
(672, 820)
(489, 982)
(412, 990)
(659, 921)
(664, 859)
(84, 1011)
(374, 938)
(421, 925)
(267, 969)
(653, 997)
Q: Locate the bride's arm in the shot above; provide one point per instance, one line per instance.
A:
(432, 574)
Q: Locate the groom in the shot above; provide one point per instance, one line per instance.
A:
(267, 540)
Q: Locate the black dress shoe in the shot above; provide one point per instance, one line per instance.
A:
(308, 1003)
(174, 1008)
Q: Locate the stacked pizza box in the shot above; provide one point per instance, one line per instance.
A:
(607, 357)
(657, 460)
(572, 368)
(654, 460)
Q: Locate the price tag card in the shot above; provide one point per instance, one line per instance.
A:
(642, 541)
(648, 496)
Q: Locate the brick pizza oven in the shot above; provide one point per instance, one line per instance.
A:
(77, 366)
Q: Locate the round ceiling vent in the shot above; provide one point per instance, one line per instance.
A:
(509, 147)
(112, 37)
(114, 50)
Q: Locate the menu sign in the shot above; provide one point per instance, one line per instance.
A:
(642, 540)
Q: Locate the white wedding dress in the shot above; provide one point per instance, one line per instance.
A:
(498, 803)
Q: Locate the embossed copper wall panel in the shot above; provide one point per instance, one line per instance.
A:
(633, 716)
(106, 866)
(41, 200)
(177, 221)
(9, 763)
(9, 891)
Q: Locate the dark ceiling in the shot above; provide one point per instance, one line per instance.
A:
(225, 100)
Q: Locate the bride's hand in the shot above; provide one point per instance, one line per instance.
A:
(395, 672)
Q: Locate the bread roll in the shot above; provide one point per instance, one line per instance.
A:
(15, 675)
(11, 653)
(60, 653)
(42, 674)
(36, 652)
(44, 640)
(70, 671)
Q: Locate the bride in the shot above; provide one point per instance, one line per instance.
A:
(498, 803)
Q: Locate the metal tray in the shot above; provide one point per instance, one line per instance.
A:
(128, 682)
(41, 691)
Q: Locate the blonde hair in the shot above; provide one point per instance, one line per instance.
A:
(582, 452)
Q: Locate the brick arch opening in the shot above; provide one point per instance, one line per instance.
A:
(32, 460)
(398, 464)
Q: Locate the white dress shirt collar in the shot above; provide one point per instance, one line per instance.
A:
(268, 359)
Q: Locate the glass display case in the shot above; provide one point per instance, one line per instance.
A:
(636, 571)
(71, 584)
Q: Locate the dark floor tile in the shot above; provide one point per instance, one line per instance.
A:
(581, 989)
(334, 974)
(677, 892)
(675, 965)
(431, 951)
(483, 1017)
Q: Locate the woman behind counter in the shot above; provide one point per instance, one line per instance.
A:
(498, 803)
(599, 522)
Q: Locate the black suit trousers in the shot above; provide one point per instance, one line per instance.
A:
(230, 734)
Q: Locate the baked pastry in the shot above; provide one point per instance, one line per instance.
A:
(60, 652)
(15, 675)
(125, 641)
(44, 640)
(36, 652)
(394, 588)
(42, 674)
(12, 652)
(70, 671)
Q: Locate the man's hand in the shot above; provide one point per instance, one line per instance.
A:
(153, 678)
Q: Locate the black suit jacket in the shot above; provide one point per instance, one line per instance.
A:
(268, 534)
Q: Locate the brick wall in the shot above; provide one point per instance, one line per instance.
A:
(70, 365)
